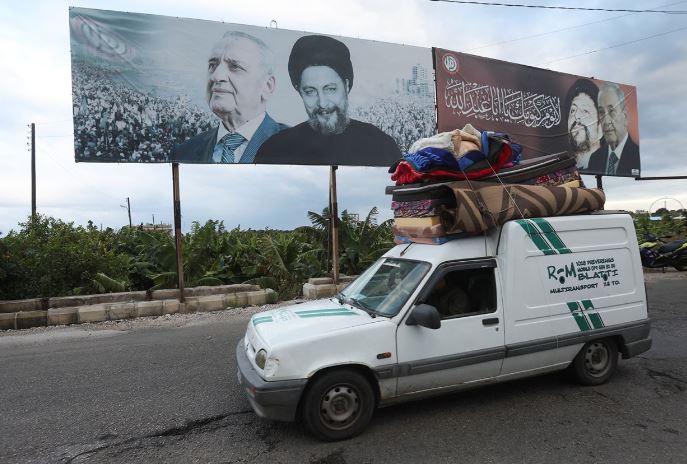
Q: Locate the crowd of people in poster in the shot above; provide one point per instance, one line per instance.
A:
(119, 122)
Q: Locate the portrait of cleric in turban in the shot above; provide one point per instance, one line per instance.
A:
(322, 73)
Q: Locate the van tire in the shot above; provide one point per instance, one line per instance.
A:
(338, 405)
(596, 362)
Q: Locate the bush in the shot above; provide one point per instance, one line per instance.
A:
(48, 257)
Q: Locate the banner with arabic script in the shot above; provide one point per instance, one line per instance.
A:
(545, 111)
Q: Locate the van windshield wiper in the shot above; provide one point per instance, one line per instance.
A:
(359, 304)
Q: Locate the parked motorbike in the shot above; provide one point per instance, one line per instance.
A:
(655, 252)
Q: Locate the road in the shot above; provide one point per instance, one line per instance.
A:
(165, 390)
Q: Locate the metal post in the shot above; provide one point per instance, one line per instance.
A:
(177, 231)
(599, 183)
(128, 208)
(334, 214)
(33, 171)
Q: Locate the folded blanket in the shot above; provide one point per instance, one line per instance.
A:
(482, 205)
(457, 142)
(437, 230)
(401, 240)
(420, 208)
(437, 163)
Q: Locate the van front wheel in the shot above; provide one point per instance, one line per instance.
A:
(338, 405)
(596, 362)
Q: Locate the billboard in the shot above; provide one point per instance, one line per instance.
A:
(545, 111)
(150, 88)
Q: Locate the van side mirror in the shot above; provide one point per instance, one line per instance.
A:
(424, 315)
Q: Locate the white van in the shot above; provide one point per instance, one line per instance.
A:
(529, 297)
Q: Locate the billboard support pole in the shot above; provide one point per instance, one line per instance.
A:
(177, 231)
(599, 183)
(33, 171)
(333, 216)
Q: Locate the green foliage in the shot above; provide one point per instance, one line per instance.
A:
(671, 224)
(363, 242)
(106, 284)
(48, 257)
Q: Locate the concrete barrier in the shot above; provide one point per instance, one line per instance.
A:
(170, 306)
(323, 287)
(63, 316)
(150, 308)
(117, 311)
(117, 306)
(32, 304)
(208, 303)
(190, 305)
(314, 292)
(28, 319)
(7, 321)
(93, 313)
(165, 294)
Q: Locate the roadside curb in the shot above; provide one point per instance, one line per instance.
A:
(133, 309)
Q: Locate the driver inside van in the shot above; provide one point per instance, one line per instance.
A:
(449, 298)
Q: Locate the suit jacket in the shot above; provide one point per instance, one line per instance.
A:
(198, 149)
(629, 159)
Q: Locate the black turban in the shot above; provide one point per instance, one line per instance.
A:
(320, 50)
(581, 86)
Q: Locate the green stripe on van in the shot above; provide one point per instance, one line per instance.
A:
(337, 313)
(576, 311)
(551, 235)
(536, 236)
(260, 320)
(328, 310)
(596, 319)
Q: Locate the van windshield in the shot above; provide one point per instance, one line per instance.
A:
(385, 286)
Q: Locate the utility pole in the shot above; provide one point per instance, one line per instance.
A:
(128, 208)
(33, 171)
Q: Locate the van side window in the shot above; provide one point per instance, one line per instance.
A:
(464, 292)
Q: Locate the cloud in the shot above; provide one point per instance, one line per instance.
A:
(35, 87)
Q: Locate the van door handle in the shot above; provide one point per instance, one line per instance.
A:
(490, 321)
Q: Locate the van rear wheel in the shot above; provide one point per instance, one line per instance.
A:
(338, 405)
(596, 362)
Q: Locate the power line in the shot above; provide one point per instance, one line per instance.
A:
(547, 7)
(621, 44)
(517, 39)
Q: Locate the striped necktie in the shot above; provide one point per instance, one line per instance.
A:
(224, 150)
(612, 163)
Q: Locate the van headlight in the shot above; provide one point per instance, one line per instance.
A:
(268, 365)
(260, 359)
(271, 367)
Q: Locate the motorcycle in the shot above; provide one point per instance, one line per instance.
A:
(655, 252)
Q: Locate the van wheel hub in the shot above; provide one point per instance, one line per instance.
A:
(339, 406)
(597, 359)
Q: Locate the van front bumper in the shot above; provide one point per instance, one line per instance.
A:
(277, 400)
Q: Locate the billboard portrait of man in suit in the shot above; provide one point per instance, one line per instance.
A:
(619, 156)
(240, 80)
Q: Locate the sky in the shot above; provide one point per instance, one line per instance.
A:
(647, 50)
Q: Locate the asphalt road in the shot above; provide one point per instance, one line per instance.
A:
(166, 391)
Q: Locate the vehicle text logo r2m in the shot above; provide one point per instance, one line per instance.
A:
(562, 273)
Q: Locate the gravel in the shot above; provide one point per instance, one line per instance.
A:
(168, 320)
